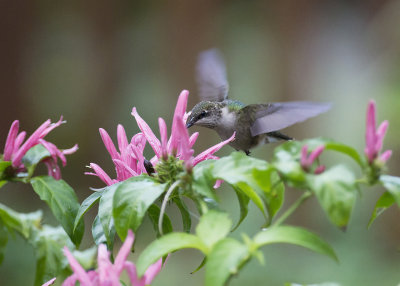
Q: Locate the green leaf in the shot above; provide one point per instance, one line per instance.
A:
(154, 214)
(392, 185)
(3, 167)
(19, 222)
(165, 245)
(336, 192)
(294, 235)
(3, 241)
(86, 205)
(62, 201)
(273, 188)
(238, 170)
(106, 214)
(287, 163)
(131, 200)
(213, 226)
(97, 232)
(225, 260)
(34, 156)
(50, 260)
(186, 220)
(383, 203)
(203, 180)
(318, 284)
(244, 206)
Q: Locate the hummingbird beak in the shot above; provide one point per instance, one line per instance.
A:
(189, 124)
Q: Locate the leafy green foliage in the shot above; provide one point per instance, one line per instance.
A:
(294, 235)
(132, 198)
(33, 157)
(62, 201)
(336, 192)
(154, 214)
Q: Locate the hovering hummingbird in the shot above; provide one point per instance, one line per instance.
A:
(254, 124)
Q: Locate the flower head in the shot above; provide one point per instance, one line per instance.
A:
(374, 137)
(180, 144)
(176, 150)
(107, 273)
(15, 149)
(306, 161)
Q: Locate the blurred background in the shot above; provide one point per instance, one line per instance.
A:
(92, 61)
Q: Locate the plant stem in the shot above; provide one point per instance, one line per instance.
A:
(164, 205)
(292, 208)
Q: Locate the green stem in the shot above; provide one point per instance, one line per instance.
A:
(164, 205)
(292, 208)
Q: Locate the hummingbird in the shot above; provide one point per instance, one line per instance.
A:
(254, 124)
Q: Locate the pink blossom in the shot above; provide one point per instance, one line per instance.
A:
(128, 162)
(50, 282)
(374, 137)
(107, 273)
(179, 144)
(14, 150)
(306, 161)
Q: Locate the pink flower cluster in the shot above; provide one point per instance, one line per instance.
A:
(107, 273)
(306, 161)
(129, 161)
(14, 150)
(374, 137)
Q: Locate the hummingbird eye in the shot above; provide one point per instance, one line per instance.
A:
(203, 114)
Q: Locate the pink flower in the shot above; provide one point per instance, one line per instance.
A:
(374, 137)
(107, 273)
(180, 143)
(14, 150)
(306, 161)
(50, 282)
(128, 162)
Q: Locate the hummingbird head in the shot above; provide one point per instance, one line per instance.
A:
(205, 113)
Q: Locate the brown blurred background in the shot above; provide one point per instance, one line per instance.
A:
(92, 61)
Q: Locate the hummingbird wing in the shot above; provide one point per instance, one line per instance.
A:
(275, 116)
(211, 76)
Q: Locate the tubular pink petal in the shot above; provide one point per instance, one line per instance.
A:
(71, 150)
(304, 157)
(18, 141)
(106, 272)
(193, 139)
(32, 141)
(124, 251)
(52, 126)
(148, 133)
(132, 273)
(319, 170)
(139, 141)
(210, 151)
(109, 144)
(315, 154)
(50, 147)
(182, 133)
(164, 136)
(139, 157)
(71, 280)
(50, 282)
(385, 156)
(10, 141)
(181, 105)
(101, 174)
(126, 168)
(81, 274)
(52, 168)
(218, 184)
(380, 135)
(370, 137)
(122, 139)
(152, 271)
